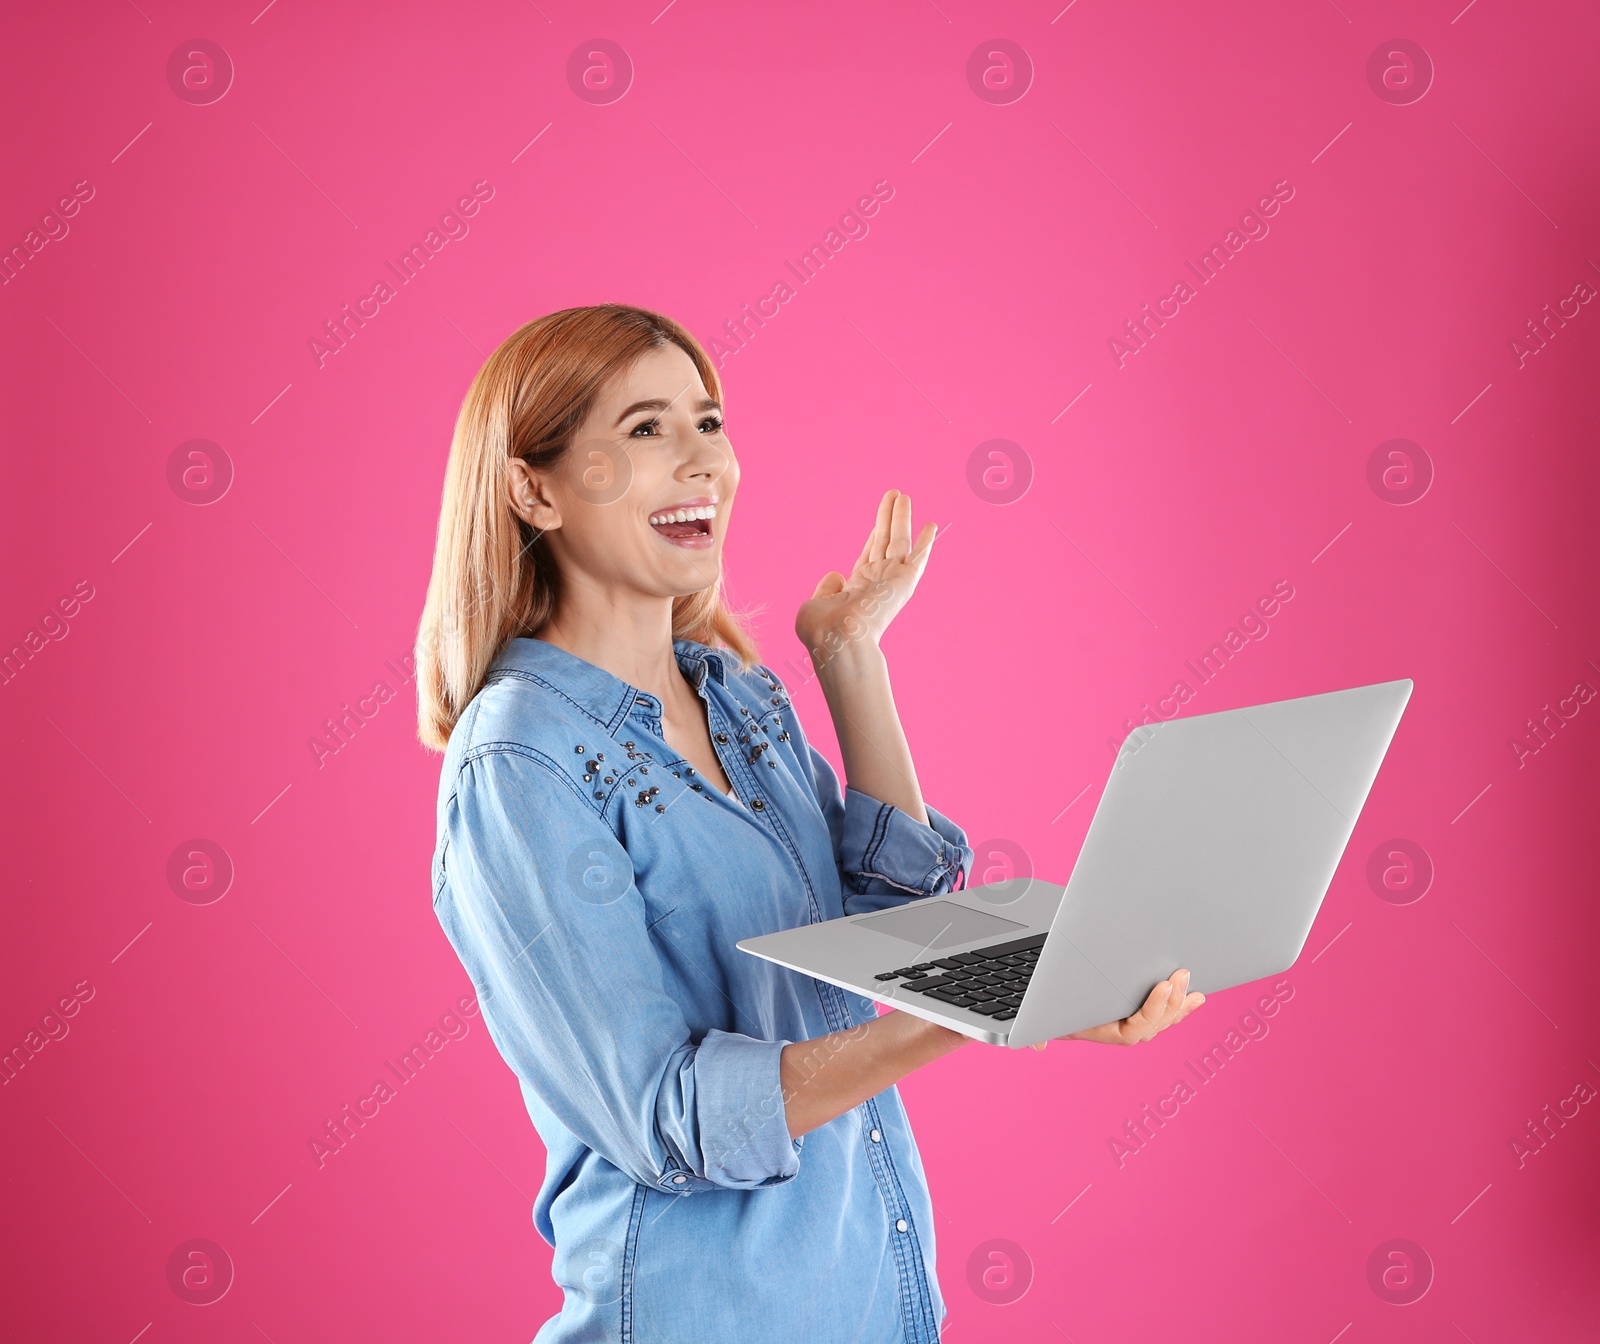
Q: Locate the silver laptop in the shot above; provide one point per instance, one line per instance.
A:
(1214, 841)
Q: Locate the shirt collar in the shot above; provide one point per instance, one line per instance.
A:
(691, 652)
(605, 697)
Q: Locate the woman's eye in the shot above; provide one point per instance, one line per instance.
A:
(712, 424)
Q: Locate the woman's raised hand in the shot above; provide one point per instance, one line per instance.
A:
(1168, 1003)
(885, 575)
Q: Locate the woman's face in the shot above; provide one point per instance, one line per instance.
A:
(651, 450)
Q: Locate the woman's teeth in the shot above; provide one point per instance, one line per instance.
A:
(705, 511)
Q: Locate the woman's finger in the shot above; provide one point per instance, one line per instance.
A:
(1168, 1005)
(831, 583)
(899, 529)
(1152, 1014)
(1177, 1006)
(878, 542)
(1180, 987)
(871, 549)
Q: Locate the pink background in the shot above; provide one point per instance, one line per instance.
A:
(1164, 498)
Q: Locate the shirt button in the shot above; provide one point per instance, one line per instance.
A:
(900, 1225)
(877, 1137)
(758, 805)
(679, 1180)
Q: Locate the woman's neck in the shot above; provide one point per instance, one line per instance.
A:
(635, 647)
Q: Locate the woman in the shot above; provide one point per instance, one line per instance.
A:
(627, 792)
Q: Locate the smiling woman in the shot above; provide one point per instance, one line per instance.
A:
(498, 570)
(626, 793)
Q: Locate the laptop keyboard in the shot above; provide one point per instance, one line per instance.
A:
(988, 980)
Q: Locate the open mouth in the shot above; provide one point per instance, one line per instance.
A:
(688, 526)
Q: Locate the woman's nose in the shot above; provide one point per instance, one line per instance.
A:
(707, 459)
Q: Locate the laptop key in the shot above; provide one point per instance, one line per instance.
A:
(953, 997)
(1005, 1015)
(992, 1009)
(889, 975)
(926, 983)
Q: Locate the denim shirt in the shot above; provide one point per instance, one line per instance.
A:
(593, 886)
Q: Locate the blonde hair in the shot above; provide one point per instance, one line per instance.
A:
(491, 579)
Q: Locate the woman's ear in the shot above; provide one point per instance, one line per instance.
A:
(528, 497)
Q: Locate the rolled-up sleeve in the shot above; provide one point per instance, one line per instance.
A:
(539, 902)
(882, 844)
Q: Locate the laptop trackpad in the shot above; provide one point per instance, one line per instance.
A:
(933, 924)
